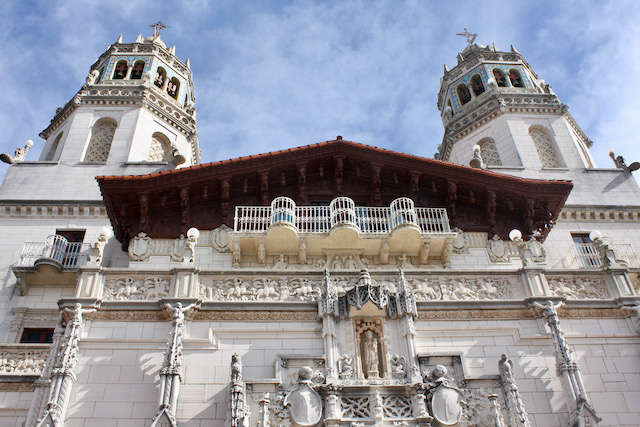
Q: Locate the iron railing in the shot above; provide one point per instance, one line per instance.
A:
(341, 211)
(57, 249)
(584, 255)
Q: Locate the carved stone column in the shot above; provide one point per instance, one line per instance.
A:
(409, 311)
(517, 414)
(171, 371)
(237, 404)
(63, 372)
(42, 384)
(567, 368)
(327, 310)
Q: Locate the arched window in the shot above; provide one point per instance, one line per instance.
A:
(138, 68)
(173, 87)
(477, 85)
(161, 76)
(121, 70)
(489, 152)
(515, 78)
(160, 148)
(463, 93)
(546, 147)
(501, 80)
(51, 154)
(101, 139)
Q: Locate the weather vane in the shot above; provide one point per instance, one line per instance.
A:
(161, 26)
(470, 37)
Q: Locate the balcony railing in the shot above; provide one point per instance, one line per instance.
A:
(55, 249)
(584, 255)
(341, 211)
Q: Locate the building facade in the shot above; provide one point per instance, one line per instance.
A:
(334, 284)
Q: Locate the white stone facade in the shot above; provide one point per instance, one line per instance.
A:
(269, 337)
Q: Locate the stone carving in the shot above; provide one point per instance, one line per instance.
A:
(567, 368)
(262, 254)
(140, 247)
(238, 410)
(261, 289)
(478, 289)
(538, 254)
(305, 404)
(423, 290)
(398, 364)
(345, 367)
(281, 263)
(355, 406)
(171, 370)
(497, 249)
(447, 400)
(92, 77)
(404, 262)
(477, 409)
(236, 254)
(577, 287)
(130, 288)
(220, 238)
(517, 414)
(22, 362)
(371, 359)
(63, 374)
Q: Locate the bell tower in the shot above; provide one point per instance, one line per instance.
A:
(493, 100)
(136, 106)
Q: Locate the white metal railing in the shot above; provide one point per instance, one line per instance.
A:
(55, 248)
(341, 211)
(584, 255)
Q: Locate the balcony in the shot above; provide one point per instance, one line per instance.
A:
(52, 262)
(587, 255)
(342, 226)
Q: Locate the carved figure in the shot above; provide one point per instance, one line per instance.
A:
(397, 366)
(337, 263)
(424, 290)
(459, 291)
(92, 77)
(371, 360)
(281, 263)
(236, 254)
(350, 263)
(345, 366)
(190, 249)
(487, 290)
(404, 261)
(239, 290)
(384, 253)
(302, 252)
(268, 290)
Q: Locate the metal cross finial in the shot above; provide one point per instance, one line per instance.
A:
(470, 37)
(161, 26)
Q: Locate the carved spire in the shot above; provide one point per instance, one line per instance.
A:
(237, 406)
(517, 414)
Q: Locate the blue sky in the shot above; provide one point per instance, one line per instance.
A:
(276, 74)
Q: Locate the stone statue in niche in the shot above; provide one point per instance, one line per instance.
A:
(337, 263)
(304, 403)
(350, 263)
(345, 367)
(371, 356)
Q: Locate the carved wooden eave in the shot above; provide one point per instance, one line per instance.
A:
(166, 204)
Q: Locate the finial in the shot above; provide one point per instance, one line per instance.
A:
(119, 39)
(157, 27)
(173, 50)
(188, 63)
(139, 39)
(470, 37)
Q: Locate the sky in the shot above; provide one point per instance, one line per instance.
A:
(271, 75)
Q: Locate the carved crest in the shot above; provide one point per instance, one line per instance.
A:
(140, 247)
(305, 404)
(447, 405)
(220, 238)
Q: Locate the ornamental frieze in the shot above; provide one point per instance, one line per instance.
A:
(578, 287)
(136, 288)
(29, 362)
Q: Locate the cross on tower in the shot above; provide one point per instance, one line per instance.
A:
(470, 37)
(161, 26)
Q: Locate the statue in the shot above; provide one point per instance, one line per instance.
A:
(371, 360)
(345, 366)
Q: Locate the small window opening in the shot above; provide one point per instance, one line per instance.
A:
(121, 70)
(477, 85)
(516, 80)
(138, 68)
(37, 335)
(463, 93)
(501, 80)
(173, 87)
(161, 76)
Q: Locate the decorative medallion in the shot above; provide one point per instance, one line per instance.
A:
(305, 404)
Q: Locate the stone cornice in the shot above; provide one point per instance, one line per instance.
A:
(599, 213)
(22, 209)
